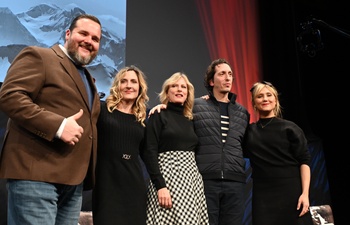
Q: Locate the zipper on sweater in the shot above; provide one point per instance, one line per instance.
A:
(222, 160)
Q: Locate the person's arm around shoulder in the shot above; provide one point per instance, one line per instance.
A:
(157, 108)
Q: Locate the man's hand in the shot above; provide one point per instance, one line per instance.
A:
(205, 97)
(72, 132)
(157, 108)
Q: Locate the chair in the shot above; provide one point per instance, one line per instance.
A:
(322, 215)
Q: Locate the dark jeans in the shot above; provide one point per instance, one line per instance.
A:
(225, 201)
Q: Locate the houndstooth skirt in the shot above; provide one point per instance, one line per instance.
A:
(185, 184)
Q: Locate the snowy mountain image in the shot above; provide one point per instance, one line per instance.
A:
(45, 25)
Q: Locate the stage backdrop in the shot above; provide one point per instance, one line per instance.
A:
(26, 22)
(31, 22)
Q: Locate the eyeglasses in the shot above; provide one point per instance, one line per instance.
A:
(262, 82)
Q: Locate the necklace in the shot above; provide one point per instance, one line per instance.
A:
(264, 125)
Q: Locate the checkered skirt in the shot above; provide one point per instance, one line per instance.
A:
(185, 184)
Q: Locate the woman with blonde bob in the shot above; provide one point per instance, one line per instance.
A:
(176, 192)
(120, 191)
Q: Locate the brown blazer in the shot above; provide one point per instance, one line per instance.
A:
(42, 87)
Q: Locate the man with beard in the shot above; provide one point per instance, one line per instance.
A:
(49, 150)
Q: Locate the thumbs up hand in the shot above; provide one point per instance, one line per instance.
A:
(72, 131)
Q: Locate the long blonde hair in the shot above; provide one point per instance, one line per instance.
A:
(188, 104)
(140, 105)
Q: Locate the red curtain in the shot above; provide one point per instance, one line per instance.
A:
(231, 28)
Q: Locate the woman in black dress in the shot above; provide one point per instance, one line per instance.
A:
(278, 153)
(176, 192)
(119, 196)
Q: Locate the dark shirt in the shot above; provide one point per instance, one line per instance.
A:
(168, 130)
(276, 149)
(120, 187)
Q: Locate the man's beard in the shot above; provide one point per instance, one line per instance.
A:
(78, 59)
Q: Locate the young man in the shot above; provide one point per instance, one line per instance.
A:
(220, 124)
(50, 143)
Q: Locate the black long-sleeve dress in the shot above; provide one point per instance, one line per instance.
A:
(276, 149)
(170, 161)
(119, 196)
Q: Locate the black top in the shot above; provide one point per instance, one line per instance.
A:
(276, 148)
(119, 195)
(168, 130)
(215, 159)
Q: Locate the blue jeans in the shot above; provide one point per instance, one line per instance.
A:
(40, 203)
(225, 201)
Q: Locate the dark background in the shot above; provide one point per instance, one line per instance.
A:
(313, 88)
(166, 36)
(163, 37)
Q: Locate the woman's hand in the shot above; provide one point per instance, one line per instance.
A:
(304, 204)
(164, 198)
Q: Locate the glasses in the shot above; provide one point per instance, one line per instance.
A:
(262, 82)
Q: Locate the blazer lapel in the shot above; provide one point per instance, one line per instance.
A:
(73, 72)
